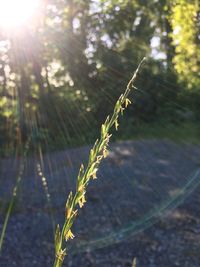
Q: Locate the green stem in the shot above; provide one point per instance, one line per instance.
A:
(96, 155)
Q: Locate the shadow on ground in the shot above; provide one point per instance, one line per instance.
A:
(145, 204)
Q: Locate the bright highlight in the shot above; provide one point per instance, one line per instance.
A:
(16, 13)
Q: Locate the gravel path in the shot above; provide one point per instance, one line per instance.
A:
(145, 204)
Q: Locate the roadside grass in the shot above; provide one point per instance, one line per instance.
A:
(187, 132)
(4, 205)
(179, 132)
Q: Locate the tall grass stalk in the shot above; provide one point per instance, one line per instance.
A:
(14, 194)
(97, 153)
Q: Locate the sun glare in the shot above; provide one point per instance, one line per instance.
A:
(16, 13)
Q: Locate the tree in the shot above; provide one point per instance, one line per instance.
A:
(185, 21)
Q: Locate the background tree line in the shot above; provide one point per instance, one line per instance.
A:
(60, 77)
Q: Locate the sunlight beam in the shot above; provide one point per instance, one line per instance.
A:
(16, 13)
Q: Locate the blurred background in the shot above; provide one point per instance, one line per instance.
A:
(63, 64)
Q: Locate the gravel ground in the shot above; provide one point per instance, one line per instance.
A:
(144, 204)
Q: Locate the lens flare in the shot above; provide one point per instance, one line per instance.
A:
(16, 13)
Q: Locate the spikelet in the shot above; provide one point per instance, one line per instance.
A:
(97, 153)
(116, 125)
(127, 102)
(68, 212)
(69, 235)
(60, 255)
(82, 201)
(94, 173)
(105, 152)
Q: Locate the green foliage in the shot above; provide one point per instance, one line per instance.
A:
(179, 132)
(185, 24)
(60, 78)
